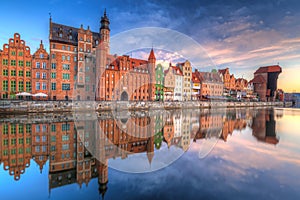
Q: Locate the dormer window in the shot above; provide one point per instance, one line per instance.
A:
(41, 55)
(60, 35)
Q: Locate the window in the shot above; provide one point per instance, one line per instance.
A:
(13, 141)
(5, 85)
(38, 65)
(21, 129)
(65, 137)
(63, 57)
(53, 127)
(37, 129)
(5, 72)
(87, 79)
(44, 65)
(13, 72)
(28, 73)
(21, 86)
(28, 86)
(13, 53)
(53, 55)
(44, 86)
(21, 63)
(21, 73)
(66, 76)
(5, 142)
(63, 47)
(87, 88)
(37, 75)
(53, 65)
(66, 67)
(5, 61)
(65, 127)
(53, 138)
(53, 86)
(28, 141)
(65, 86)
(5, 129)
(28, 63)
(68, 48)
(41, 55)
(44, 75)
(21, 141)
(68, 58)
(37, 86)
(65, 147)
(75, 58)
(28, 128)
(37, 149)
(13, 85)
(53, 46)
(53, 74)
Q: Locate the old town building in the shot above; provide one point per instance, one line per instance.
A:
(241, 87)
(225, 75)
(41, 72)
(195, 87)
(159, 84)
(211, 85)
(15, 68)
(178, 83)
(121, 77)
(169, 84)
(186, 69)
(265, 82)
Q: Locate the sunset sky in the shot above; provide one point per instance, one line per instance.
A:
(241, 35)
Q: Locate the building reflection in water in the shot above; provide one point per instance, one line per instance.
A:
(76, 154)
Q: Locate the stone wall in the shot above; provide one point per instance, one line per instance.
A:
(68, 106)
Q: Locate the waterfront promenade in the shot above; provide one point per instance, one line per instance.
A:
(17, 106)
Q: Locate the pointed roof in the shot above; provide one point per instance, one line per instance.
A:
(151, 55)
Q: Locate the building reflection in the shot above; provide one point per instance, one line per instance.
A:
(78, 154)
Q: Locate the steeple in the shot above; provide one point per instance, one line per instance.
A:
(104, 22)
(151, 56)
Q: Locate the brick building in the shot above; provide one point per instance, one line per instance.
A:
(265, 82)
(40, 71)
(186, 69)
(15, 68)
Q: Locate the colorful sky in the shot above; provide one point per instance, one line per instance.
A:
(241, 35)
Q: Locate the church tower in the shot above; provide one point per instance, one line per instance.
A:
(102, 52)
(151, 68)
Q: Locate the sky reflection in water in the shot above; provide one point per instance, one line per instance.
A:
(256, 156)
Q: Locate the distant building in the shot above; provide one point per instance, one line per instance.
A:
(169, 84)
(195, 87)
(211, 84)
(265, 82)
(186, 69)
(178, 84)
(159, 84)
(241, 87)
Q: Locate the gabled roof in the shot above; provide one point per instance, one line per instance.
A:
(223, 71)
(269, 69)
(177, 70)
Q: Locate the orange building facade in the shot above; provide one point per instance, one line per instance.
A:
(15, 68)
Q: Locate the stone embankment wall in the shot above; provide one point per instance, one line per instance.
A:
(68, 106)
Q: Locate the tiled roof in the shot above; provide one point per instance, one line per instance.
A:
(222, 71)
(134, 63)
(151, 56)
(195, 78)
(66, 32)
(177, 70)
(258, 79)
(267, 69)
(209, 77)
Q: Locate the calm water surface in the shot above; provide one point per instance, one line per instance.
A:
(179, 154)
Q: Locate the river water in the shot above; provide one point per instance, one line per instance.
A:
(175, 154)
